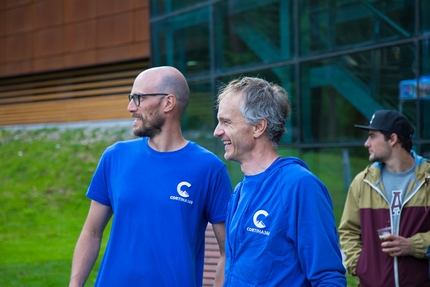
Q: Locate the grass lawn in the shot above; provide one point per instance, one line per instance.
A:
(44, 176)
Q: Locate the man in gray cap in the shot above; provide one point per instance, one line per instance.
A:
(393, 192)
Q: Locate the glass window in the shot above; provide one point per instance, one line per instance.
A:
(219, 40)
(425, 19)
(339, 92)
(425, 56)
(424, 88)
(329, 25)
(183, 41)
(425, 150)
(284, 77)
(252, 32)
(198, 121)
(425, 118)
(160, 7)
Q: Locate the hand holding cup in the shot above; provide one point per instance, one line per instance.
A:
(383, 231)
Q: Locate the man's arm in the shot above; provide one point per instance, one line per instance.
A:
(312, 230)
(415, 246)
(219, 230)
(350, 231)
(88, 245)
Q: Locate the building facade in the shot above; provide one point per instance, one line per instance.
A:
(339, 60)
(70, 60)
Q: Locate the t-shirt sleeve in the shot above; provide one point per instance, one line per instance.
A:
(98, 188)
(218, 197)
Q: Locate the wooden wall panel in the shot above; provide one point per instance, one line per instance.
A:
(93, 94)
(53, 35)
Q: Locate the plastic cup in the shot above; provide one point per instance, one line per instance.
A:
(383, 231)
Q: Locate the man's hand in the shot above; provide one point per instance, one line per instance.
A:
(396, 245)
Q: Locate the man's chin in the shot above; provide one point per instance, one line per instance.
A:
(230, 157)
(373, 159)
(142, 132)
(227, 156)
(137, 132)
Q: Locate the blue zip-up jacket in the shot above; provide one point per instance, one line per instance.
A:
(281, 230)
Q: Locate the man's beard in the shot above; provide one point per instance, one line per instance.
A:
(155, 126)
(378, 158)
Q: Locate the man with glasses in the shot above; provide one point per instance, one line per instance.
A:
(162, 191)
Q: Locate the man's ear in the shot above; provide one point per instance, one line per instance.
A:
(169, 102)
(393, 139)
(260, 128)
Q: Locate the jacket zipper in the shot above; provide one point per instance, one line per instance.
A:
(396, 266)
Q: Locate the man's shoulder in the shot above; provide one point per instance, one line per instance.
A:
(373, 169)
(126, 144)
(295, 168)
(199, 149)
(421, 161)
(120, 145)
(371, 173)
(201, 154)
(422, 168)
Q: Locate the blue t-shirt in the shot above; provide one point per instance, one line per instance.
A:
(281, 230)
(162, 202)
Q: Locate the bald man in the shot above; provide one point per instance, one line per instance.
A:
(160, 189)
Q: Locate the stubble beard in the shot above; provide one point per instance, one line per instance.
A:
(150, 128)
(374, 158)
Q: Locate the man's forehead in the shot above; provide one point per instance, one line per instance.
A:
(230, 112)
(232, 99)
(374, 132)
(145, 85)
(229, 104)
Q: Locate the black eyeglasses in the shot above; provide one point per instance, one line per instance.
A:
(136, 97)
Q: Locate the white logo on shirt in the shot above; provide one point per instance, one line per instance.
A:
(259, 223)
(181, 192)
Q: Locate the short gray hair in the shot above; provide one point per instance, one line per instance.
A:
(261, 99)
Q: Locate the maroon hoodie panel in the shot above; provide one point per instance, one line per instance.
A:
(381, 267)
